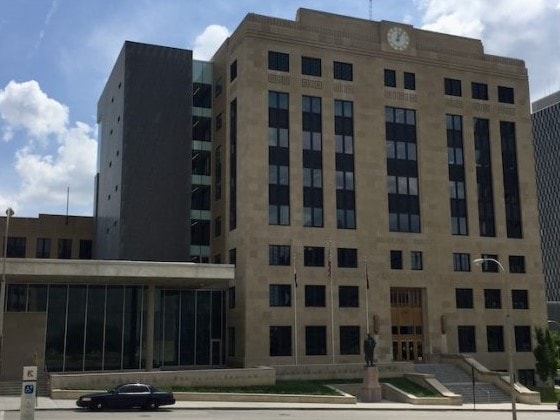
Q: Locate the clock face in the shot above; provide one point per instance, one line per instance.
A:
(398, 38)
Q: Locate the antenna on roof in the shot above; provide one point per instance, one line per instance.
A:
(370, 9)
(67, 201)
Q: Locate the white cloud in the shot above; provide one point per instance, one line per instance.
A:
(522, 29)
(25, 106)
(64, 157)
(206, 44)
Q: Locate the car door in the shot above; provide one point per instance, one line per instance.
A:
(124, 397)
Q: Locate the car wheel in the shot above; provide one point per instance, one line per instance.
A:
(152, 405)
(98, 405)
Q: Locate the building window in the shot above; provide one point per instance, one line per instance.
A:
(416, 260)
(217, 227)
(280, 295)
(218, 173)
(279, 255)
(479, 91)
(16, 247)
(516, 264)
(489, 266)
(390, 78)
(492, 299)
(231, 341)
(520, 299)
(452, 87)
(315, 296)
(495, 338)
(456, 170)
(231, 297)
(278, 157)
(233, 256)
(64, 248)
(409, 81)
(527, 377)
(461, 261)
(483, 163)
(312, 162)
(396, 260)
(344, 164)
(219, 122)
(505, 95)
(280, 341)
(278, 61)
(347, 257)
(43, 248)
(311, 66)
(86, 246)
(233, 165)
(523, 338)
(314, 256)
(464, 298)
(348, 296)
(342, 71)
(233, 71)
(349, 339)
(466, 337)
(315, 340)
(512, 196)
(402, 170)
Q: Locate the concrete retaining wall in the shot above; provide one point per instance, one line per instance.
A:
(209, 377)
(342, 371)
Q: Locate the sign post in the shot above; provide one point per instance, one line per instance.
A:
(28, 393)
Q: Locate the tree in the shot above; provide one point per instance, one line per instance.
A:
(546, 354)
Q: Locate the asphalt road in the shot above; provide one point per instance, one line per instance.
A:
(170, 414)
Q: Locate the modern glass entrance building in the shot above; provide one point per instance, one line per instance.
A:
(103, 327)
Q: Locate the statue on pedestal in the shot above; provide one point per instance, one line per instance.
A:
(369, 349)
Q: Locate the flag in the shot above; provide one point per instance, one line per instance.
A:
(329, 263)
(367, 278)
(295, 272)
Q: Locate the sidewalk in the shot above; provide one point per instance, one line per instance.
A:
(44, 403)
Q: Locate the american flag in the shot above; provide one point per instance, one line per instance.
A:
(367, 278)
(329, 263)
(295, 272)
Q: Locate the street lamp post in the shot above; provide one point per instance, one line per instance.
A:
(509, 333)
(9, 213)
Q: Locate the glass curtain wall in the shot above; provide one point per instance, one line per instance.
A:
(189, 328)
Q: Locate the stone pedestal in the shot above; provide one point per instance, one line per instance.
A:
(371, 390)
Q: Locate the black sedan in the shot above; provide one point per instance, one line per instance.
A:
(127, 396)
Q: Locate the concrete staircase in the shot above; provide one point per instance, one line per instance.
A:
(459, 382)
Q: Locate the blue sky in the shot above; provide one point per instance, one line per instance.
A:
(55, 56)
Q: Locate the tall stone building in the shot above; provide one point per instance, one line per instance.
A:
(348, 147)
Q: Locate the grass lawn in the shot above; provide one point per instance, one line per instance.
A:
(410, 387)
(548, 394)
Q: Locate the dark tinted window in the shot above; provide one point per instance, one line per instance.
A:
(479, 91)
(452, 87)
(348, 296)
(464, 298)
(311, 66)
(314, 256)
(505, 95)
(390, 78)
(343, 71)
(278, 61)
(314, 296)
(280, 295)
(396, 260)
(347, 257)
(409, 81)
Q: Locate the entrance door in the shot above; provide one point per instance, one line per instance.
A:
(406, 323)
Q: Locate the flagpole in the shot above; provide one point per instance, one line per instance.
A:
(367, 299)
(332, 301)
(295, 312)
